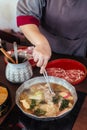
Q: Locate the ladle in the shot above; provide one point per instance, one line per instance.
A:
(15, 52)
(47, 81)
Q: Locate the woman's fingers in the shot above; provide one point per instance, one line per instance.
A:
(41, 58)
(43, 66)
(36, 58)
(41, 62)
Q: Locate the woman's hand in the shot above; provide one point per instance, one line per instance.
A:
(41, 55)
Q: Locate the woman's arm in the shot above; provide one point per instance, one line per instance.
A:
(29, 13)
(42, 50)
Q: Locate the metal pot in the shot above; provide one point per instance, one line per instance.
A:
(41, 79)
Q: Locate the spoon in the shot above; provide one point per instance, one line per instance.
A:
(47, 81)
(15, 52)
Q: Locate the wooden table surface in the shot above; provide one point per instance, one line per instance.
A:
(81, 120)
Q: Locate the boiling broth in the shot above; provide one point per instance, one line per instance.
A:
(38, 100)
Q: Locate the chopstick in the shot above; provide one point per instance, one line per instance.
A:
(47, 80)
(7, 55)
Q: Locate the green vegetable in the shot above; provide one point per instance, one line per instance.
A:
(64, 104)
(56, 99)
(33, 104)
(39, 112)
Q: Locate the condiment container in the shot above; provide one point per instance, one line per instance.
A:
(18, 73)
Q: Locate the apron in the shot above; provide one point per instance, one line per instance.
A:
(64, 23)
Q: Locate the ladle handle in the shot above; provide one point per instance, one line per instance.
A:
(47, 80)
(15, 52)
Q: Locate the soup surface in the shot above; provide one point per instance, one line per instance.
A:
(38, 100)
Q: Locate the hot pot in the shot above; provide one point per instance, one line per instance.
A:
(33, 81)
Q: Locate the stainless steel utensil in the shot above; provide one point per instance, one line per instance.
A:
(47, 81)
(15, 52)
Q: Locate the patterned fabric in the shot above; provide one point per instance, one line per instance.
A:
(63, 22)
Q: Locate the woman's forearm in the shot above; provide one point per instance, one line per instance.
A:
(33, 34)
(42, 50)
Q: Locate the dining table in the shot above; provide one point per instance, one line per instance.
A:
(14, 119)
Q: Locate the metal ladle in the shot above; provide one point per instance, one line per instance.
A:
(15, 52)
(47, 81)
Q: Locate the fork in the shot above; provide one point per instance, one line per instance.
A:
(47, 81)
